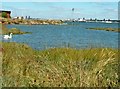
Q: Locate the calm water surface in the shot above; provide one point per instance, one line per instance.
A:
(74, 35)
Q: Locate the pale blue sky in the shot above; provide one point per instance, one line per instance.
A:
(60, 0)
(62, 10)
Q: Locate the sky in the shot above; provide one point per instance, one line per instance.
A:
(63, 10)
(60, 0)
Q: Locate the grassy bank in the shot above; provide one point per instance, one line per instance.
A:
(5, 30)
(106, 29)
(59, 67)
(30, 21)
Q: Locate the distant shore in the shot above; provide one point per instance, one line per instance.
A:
(40, 22)
(30, 21)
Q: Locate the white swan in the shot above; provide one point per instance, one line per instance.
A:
(8, 36)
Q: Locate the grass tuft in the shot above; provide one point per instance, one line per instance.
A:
(5, 30)
(59, 67)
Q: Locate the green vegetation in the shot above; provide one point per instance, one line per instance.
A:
(4, 14)
(106, 29)
(12, 30)
(59, 67)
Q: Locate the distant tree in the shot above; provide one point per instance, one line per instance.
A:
(4, 14)
(22, 18)
(95, 19)
(90, 19)
(103, 19)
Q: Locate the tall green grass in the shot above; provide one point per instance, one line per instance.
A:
(59, 67)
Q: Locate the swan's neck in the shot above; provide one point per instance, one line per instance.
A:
(10, 35)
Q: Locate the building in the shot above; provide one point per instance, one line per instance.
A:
(7, 14)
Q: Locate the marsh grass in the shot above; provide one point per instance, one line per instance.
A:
(5, 30)
(106, 29)
(59, 67)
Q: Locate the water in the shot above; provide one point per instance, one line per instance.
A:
(73, 35)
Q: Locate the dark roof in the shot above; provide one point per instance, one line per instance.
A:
(5, 11)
